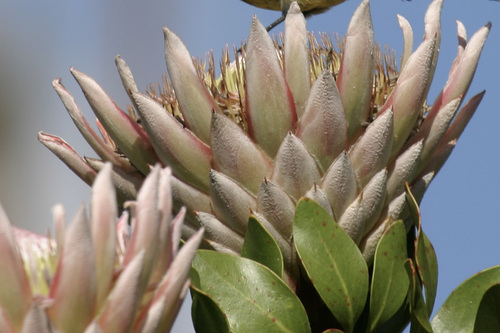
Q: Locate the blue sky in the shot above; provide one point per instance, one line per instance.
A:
(40, 41)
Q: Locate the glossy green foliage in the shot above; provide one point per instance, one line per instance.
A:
(419, 314)
(425, 272)
(251, 296)
(260, 246)
(247, 293)
(488, 314)
(207, 316)
(390, 280)
(425, 256)
(459, 311)
(332, 261)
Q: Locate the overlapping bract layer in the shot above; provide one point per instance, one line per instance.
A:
(99, 276)
(284, 122)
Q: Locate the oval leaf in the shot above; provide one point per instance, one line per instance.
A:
(251, 296)
(488, 319)
(207, 316)
(398, 322)
(419, 315)
(390, 281)
(261, 247)
(427, 268)
(425, 256)
(458, 312)
(332, 261)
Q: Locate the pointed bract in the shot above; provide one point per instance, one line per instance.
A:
(433, 130)
(146, 225)
(102, 218)
(170, 139)
(372, 151)
(320, 197)
(187, 196)
(323, 127)
(462, 118)
(410, 92)
(69, 156)
(173, 287)
(236, 155)
(269, 103)
(374, 195)
(219, 233)
(195, 101)
(295, 169)
(232, 204)
(296, 62)
(104, 151)
(126, 133)
(354, 218)
(403, 169)
(340, 185)
(277, 207)
(118, 313)
(356, 71)
(407, 38)
(15, 293)
(463, 72)
(127, 78)
(74, 288)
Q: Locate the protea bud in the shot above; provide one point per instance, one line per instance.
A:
(99, 275)
(286, 119)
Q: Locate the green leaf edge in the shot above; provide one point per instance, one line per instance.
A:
(425, 255)
(217, 321)
(357, 304)
(259, 245)
(449, 319)
(488, 313)
(381, 311)
(300, 315)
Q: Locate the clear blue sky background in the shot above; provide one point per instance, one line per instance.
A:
(40, 40)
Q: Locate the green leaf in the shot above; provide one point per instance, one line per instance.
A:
(458, 313)
(251, 296)
(206, 314)
(332, 262)
(488, 315)
(260, 246)
(425, 256)
(390, 281)
(410, 268)
(419, 315)
(427, 268)
(398, 322)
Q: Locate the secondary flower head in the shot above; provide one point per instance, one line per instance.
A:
(287, 118)
(99, 275)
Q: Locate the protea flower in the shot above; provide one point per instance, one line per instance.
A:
(99, 276)
(287, 118)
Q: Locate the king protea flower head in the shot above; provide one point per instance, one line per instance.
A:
(286, 119)
(99, 275)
